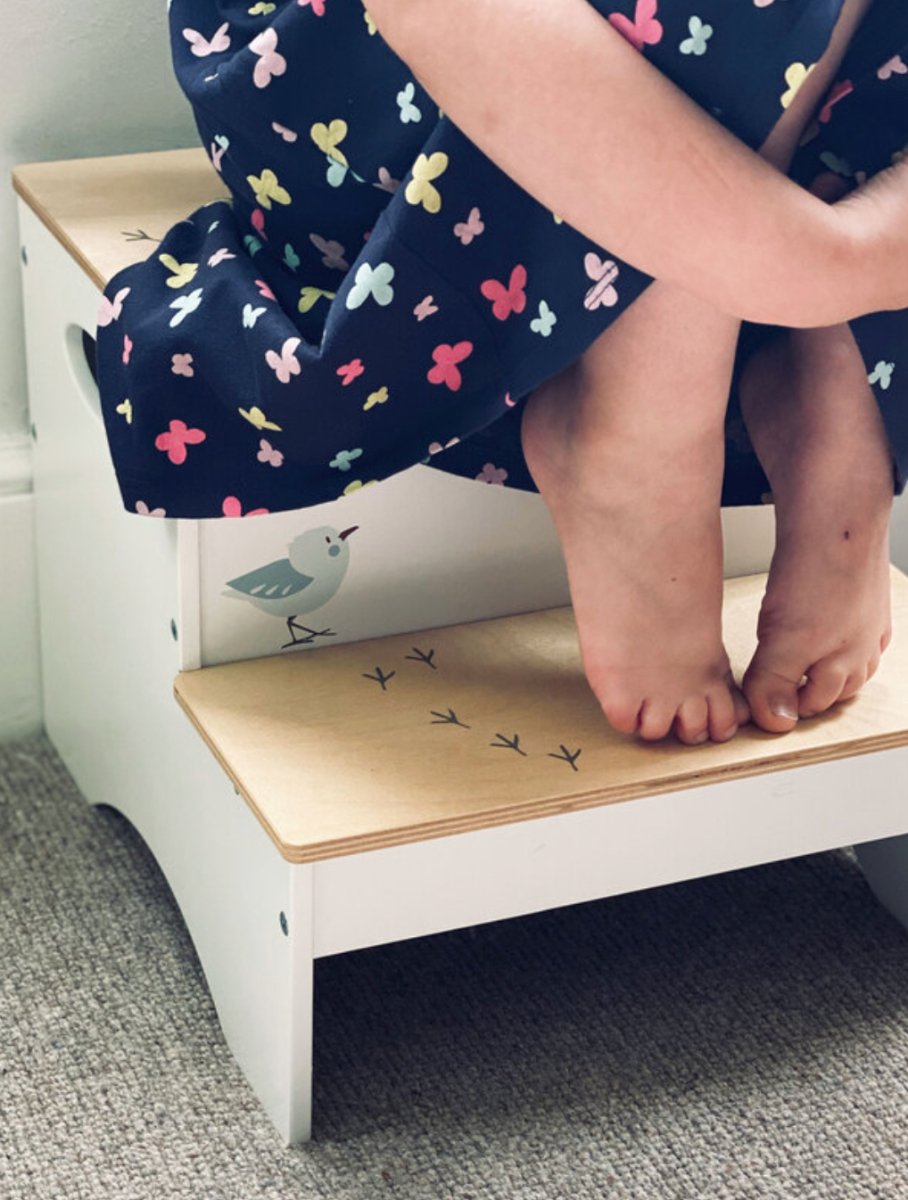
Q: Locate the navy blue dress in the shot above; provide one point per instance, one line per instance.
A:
(378, 293)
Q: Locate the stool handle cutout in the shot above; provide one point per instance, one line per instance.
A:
(81, 354)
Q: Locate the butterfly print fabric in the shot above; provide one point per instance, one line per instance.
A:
(378, 293)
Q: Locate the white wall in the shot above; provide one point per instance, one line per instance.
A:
(80, 77)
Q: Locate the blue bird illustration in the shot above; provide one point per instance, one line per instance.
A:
(308, 578)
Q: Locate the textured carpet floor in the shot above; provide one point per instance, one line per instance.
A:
(735, 1037)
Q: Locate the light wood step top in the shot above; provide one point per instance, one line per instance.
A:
(111, 212)
(334, 762)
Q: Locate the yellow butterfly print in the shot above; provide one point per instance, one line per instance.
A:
(558, 220)
(370, 22)
(794, 77)
(261, 9)
(355, 485)
(379, 397)
(126, 409)
(327, 138)
(420, 189)
(267, 188)
(309, 295)
(256, 417)
(183, 273)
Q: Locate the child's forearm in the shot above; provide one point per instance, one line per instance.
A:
(571, 111)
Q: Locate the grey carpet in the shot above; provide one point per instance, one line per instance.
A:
(735, 1037)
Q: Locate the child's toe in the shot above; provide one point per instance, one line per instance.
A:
(826, 681)
(723, 716)
(692, 721)
(772, 696)
(656, 719)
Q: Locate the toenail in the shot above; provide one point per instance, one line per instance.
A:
(782, 708)
(700, 738)
(729, 733)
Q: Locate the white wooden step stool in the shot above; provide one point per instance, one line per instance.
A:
(392, 783)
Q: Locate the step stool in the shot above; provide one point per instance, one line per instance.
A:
(326, 796)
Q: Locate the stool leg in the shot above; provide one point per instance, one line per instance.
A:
(296, 1125)
(885, 867)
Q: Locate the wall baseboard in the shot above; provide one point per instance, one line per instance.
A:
(21, 711)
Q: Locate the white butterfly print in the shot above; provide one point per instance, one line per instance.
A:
(184, 306)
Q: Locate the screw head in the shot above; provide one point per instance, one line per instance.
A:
(285, 928)
(173, 629)
(34, 432)
(23, 254)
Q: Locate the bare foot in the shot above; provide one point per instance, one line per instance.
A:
(816, 428)
(640, 529)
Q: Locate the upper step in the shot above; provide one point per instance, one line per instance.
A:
(109, 212)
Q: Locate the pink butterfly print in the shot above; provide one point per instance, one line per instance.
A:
(268, 454)
(351, 370)
(510, 299)
(838, 92)
(216, 154)
(181, 364)
(142, 507)
(232, 508)
(763, 3)
(284, 364)
(446, 359)
(892, 66)
(644, 30)
(177, 439)
(318, 6)
(270, 63)
(257, 221)
(127, 348)
(604, 272)
(508, 401)
(333, 252)
(437, 447)
(220, 256)
(110, 310)
(201, 47)
(386, 180)
(289, 135)
(469, 229)
(425, 308)
(492, 474)
(264, 289)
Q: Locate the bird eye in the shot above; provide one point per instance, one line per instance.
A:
(327, 539)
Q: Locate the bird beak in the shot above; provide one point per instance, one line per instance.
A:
(346, 533)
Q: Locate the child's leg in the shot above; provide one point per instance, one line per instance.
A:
(626, 447)
(816, 427)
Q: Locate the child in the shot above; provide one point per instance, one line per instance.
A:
(622, 429)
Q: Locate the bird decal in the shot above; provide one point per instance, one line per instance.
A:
(304, 581)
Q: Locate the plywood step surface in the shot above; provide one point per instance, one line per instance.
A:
(341, 749)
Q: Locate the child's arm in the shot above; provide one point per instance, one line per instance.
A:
(570, 110)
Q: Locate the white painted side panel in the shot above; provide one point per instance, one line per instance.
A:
(445, 883)
(431, 549)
